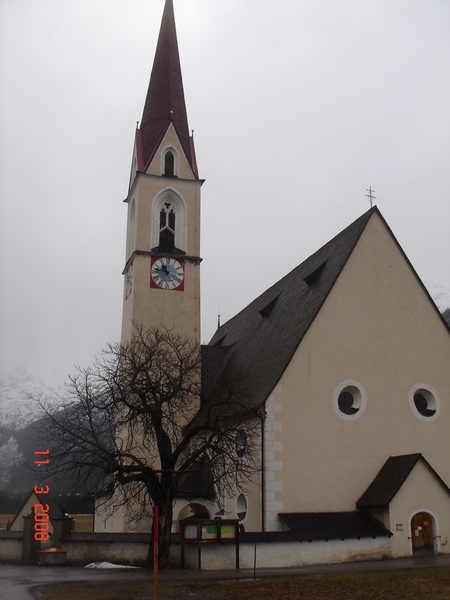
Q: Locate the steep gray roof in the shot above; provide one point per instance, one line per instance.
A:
(263, 337)
(390, 479)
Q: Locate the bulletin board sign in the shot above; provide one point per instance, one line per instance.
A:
(218, 531)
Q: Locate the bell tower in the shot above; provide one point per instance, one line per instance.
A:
(162, 262)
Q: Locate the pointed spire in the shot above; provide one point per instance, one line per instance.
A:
(165, 97)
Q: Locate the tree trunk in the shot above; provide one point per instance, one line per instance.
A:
(165, 524)
(165, 528)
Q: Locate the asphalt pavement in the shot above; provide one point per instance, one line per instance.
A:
(17, 582)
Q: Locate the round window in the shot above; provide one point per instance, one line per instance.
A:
(349, 400)
(241, 507)
(424, 401)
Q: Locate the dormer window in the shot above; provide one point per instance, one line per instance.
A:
(314, 276)
(266, 311)
(169, 164)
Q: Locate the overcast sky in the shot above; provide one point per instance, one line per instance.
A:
(298, 106)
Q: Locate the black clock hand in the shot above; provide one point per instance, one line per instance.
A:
(162, 269)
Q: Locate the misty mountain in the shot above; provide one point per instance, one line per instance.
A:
(17, 389)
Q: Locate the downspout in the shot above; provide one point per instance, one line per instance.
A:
(262, 414)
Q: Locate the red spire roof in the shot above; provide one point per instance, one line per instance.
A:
(165, 96)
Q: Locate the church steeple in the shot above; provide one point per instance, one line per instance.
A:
(162, 261)
(165, 102)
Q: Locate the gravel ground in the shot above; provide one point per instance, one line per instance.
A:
(421, 584)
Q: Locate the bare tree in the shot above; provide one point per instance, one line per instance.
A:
(138, 419)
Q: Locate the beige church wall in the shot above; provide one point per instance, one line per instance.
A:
(377, 328)
(252, 521)
(273, 442)
(252, 493)
(174, 309)
(121, 520)
(284, 554)
(382, 514)
(113, 517)
(146, 188)
(248, 496)
(421, 492)
(230, 508)
(104, 521)
(128, 317)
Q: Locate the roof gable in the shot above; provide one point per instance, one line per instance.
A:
(170, 140)
(390, 479)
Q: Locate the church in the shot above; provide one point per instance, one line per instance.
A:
(346, 359)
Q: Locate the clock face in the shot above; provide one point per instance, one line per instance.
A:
(167, 274)
(128, 281)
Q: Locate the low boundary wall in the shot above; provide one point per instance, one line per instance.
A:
(272, 550)
(11, 546)
(289, 553)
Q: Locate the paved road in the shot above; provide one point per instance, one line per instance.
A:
(17, 582)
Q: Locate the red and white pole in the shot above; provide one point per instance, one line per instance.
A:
(155, 551)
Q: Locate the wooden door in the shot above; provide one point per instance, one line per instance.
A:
(422, 534)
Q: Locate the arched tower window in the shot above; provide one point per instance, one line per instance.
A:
(169, 164)
(168, 223)
(167, 228)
